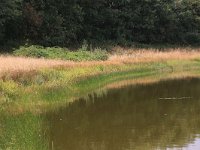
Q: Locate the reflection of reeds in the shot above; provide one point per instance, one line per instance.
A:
(151, 79)
(15, 64)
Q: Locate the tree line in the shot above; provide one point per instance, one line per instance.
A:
(70, 22)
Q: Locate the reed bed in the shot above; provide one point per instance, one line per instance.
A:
(29, 84)
(22, 64)
(118, 56)
(149, 55)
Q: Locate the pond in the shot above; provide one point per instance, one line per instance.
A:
(161, 115)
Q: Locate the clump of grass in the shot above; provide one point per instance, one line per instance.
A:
(8, 91)
(81, 54)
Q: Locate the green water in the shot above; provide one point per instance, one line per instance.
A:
(163, 115)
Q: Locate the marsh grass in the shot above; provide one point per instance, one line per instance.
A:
(118, 56)
(61, 86)
(22, 132)
(37, 83)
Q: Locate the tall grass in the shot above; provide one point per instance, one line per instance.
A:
(37, 83)
(118, 56)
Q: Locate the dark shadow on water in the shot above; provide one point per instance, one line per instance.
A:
(129, 118)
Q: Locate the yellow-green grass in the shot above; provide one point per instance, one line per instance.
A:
(40, 87)
(23, 132)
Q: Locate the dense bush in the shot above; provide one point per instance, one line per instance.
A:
(69, 22)
(60, 53)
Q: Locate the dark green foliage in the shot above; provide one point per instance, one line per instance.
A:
(123, 22)
(52, 22)
(10, 20)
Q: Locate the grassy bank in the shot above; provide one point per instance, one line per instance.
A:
(49, 83)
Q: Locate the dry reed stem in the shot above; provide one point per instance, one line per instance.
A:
(21, 64)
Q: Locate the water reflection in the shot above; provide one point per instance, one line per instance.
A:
(131, 118)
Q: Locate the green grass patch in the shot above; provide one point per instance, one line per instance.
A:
(22, 132)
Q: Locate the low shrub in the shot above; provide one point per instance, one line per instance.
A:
(61, 53)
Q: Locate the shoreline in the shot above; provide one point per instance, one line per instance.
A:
(38, 89)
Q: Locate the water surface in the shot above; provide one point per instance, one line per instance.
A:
(162, 115)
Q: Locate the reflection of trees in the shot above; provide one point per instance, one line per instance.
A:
(130, 118)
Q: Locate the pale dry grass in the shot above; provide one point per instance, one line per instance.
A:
(144, 55)
(119, 56)
(13, 64)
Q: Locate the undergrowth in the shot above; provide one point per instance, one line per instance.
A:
(81, 54)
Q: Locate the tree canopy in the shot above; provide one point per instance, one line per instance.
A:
(70, 22)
